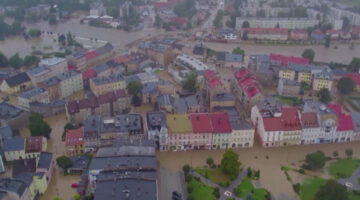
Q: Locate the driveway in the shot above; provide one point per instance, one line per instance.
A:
(353, 180)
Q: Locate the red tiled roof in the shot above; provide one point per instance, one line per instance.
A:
(317, 32)
(90, 55)
(121, 59)
(355, 77)
(266, 31)
(120, 93)
(72, 107)
(285, 60)
(74, 137)
(88, 74)
(309, 120)
(345, 121)
(201, 123)
(179, 20)
(90, 102)
(106, 98)
(71, 67)
(211, 79)
(290, 119)
(247, 81)
(34, 144)
(273, 124)
(220, 123)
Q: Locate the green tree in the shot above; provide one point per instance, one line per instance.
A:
(315, 160)
(134, 87)
(345, 85)
(190, 83)
(230, 163)
(355, 64)
(238, 50)
(34, 32)
(62, 39)
(332, 190)
(218, 19)
(38, 127)
(216, 192)
(70, 40)
(210, 161)
(136, 100)
(3, 60)
(15, 61)
(324, 95)
(309, 54)
(349, 152)
(186, 169)
(52, 20)
(245, 24)
(31, 60)
(113, 11)
(77, 196)
(63, 162)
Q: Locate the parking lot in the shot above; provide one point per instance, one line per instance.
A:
(169, 181)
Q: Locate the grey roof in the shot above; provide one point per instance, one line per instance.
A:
(356, 120)
(230, 110)
(223, 97)
(14, 144)
(51, 81)
(23, 166)
(6, 132)
(17, 79)
(324, 74)
(124, 161)
(183, 104)
(131, 78)
(101, 68)
(9, 111)
(13, 185)
(3, 195)
(165, 100)
(290, 82)
(306, 68)
(27, 177)
(108, 79)
(45, 160)
(67, 75)
(126, 151)
(32, 93)
(165, 82)
(52, 104)
(264, 68)
(199, 49)
(149, 88)
(311, 105)
(51, 61)
(154, 46)
(131, 186)
(79, 162)
(229, 57)
(238, 124)
(156, 120)
(104, 49)
(340, 72)
(37, 71)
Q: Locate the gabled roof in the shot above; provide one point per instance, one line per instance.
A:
(201, 123)
(34, 144)
(45, 160)
(88, 74)
(17, 79)
(345, 121)
(220, 122)
(14, 144)
(74, 137)
(309, 120)
(273, 124)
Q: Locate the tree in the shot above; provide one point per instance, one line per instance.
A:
(345, 85)
(136, 100)
(324, 95)
(239, 51)
(349, 152)
(186, 169)
(216, 192)
(15, 61)
(245, 24)
(245, 36)
(134, 87)
(34, 32)
(190, 83)
(38, 127)
(52, 19)
(210, 161)
(31, 60)
(335, 154)
(218, 19)
(77, 196)
(3, 60)
(327, 41)
(332, 190)
(355, 64)
(230, 163)
(315, 160)
(309, 54)
(63, 162)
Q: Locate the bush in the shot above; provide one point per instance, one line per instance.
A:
(301, 171)
(349, 152)
(335, 154)
(225, 184)
(249, 172)
(189, 189)
(257, 174)
(190, 197)
(216, 192)
(197, 178)
(186, 169)
(188, 178)
(296, 188)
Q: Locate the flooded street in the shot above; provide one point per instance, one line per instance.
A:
(270, 169)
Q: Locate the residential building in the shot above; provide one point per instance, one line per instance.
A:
(188, 104)
(157, 129)
(101, 85)
(70, 83)
(78, 59)
(13, 116)
(222, 100)
(288, 23)
(16, 83)
(27, 165)
(199, 52)
(52, 85)
(179, 129)
(34, 145)
(288, 87)
(192, 63)
(229, 34)
(166, 87)
(14, 149)
(39, 74)
(323, 79)
(79, 164)
(46, 165)
(35, 182)
(32, 95)
(74, 141)
(15, 189)
(166, 103)
(225, 59)
(160, 53)
(285, 61)
(104, 53)
(317, 35)
(242, 131)
(55, 65)
(212, 84)
(221, 130)
(5, 133)
(299, 35)
(266, 33)
(345, 129)
(48, 109)
(149, 93)
(97, 9)
(310, 128)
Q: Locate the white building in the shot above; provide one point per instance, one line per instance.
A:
(289, 23)
(157, 129)
(191, 62)
(310, 128)
(36, 94)
(55, 64)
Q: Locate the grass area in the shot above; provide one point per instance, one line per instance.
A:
(247, 187)
(343, 168)
(214, 174)
(201, 191)
(353, 196)
(309, 188)
(291, 101)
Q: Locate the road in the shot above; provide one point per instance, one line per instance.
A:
(208, 24)
(353, 180)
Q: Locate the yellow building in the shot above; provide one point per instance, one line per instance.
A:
(15, 84)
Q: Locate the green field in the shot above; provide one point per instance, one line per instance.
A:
(343, 168)
(247, 187)
(309, 188)
(201, 191)
(214, 174)
(353, 196)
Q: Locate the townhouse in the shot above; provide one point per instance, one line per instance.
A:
(310, 128)
(345, 129)
(14, 149)
(299, 35)
(266, 33)
(33, 95)
(101, 85)
(52, 86)
(160, 53)
(55, 65)
(221, 130)
(157, 129)
(34, 145)
(226, 59)
(180, 132)
(70, 83)
(149, 93)
(14, 188)
(16, 83)
(74, 141)
(288, 23)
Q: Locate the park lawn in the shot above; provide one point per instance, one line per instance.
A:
(246, 186)
(259, 193)
(309, 188)
(343, 168)
(353, 196)
(214, 174)
(201, 191)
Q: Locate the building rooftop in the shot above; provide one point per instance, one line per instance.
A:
(79, 162)
(17, 79)
(183, 104)
(355, 116)
(38, 71)
(211, 79)
(14, 144)
(32, 93)
(74, 137)
(51, 61)
(154, 46)
(191, 62)
(179, 123)
(286, 60)
(67, 75)
(6, 133)
(199, 49)
(266, 31)
(156, 120)
(220, 122)
(107, 48)
(223, 97)
(34, 144)
(23, 166)
(45, 160)
(165, 100)
(201, 123)
(127, 150)
(13, 185)
(113, 78)
(309, 120)
(345, 122)
(100, 163)
(51, 81)
(149, 88)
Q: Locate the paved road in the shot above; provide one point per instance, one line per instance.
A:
(170, 181)
(353, 180)
(233, 185)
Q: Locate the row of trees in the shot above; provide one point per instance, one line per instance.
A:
(9, 30)
(16, 61)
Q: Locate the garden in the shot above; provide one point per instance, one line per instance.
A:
(246, 187)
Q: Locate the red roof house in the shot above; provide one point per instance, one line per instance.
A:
(74, 141)
(286, 60)
(345, 121)
(201, 123)
(220, 123)
(88, 74)
(211, 79)
(34, 144)
(90, 55)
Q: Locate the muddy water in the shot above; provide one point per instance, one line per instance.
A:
(272, 178)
